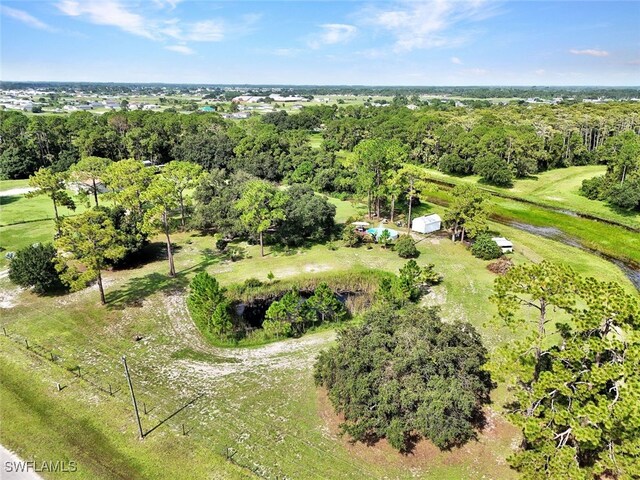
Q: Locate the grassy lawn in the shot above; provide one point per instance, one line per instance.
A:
(611, 240)
(24, 221)
(258, 403)
(11, 184)
(559, 188)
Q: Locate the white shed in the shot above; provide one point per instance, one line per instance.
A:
(504, 244)
(427, 224)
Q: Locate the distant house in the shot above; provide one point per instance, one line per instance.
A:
(76, 108)
(427, 224)
(247, 99)
(237, 115)
(504, 244)
(293, 98)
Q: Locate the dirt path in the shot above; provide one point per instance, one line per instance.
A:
(294, 354)
(16, 191)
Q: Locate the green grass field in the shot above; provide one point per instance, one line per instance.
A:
(612, 240)
(24, 221)
(259, 404)
(559, 188)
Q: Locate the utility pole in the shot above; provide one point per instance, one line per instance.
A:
(133, 396)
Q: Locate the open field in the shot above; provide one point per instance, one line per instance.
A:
(612, 240)
(259, 402)
(24, 221)
(559, 188)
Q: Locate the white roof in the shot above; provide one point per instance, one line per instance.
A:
(502, 242)
(433, 218)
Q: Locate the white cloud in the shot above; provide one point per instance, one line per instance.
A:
(333, 33)
(204, 31)
(108, 12)
(25, 18)
(456, 60)
(590, 51)
(428, 24)
(155, 25)
(540, 71)
(183, 49)
(171, 4)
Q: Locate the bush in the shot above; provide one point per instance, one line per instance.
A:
(592, 187)
(406, 247)
(493, 170)
(34, 266)
(626, 195)
(252, 283)
(485, 248)
(221, 244)
(209, 308)
(350, 237)
(425, 377)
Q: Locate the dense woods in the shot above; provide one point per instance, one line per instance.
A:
(498, 143)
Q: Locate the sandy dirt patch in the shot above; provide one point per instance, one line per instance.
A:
(16, 191)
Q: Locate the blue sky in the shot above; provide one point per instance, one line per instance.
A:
(435, 42)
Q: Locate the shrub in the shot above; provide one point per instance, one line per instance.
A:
(350, 237)
(485, 248)
(34, 266)
(626, 195)
(252, 283)
(493, 170)
(425, 377)
(412, 282)
(592, 187)
(406, 247)
(208, 306)
(221, 244)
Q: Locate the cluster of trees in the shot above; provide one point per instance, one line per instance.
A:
(214, 314)
(147, 200)
(574, 372)
(620, 186)
(237, 204)
(144, 201)
(405, 375)
(293, 315)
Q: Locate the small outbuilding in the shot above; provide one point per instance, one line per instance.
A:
(504, 244)
(427, 224)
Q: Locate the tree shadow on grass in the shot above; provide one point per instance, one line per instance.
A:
(151, 252)
(137, 289)
(7, 199)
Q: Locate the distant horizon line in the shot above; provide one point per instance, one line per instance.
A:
(336, 85)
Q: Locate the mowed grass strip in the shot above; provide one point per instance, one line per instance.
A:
(558, 188)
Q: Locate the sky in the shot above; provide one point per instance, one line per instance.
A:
(431, 42)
